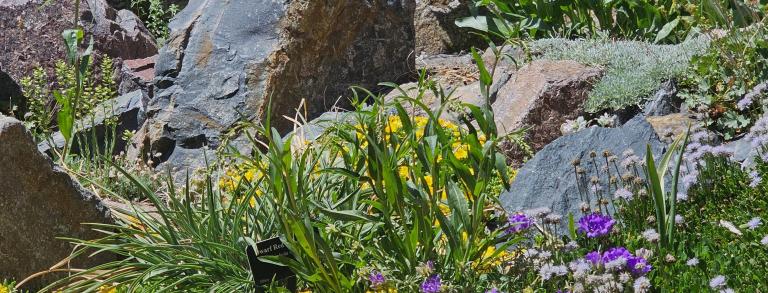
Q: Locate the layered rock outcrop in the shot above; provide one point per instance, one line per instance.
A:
(241, 60)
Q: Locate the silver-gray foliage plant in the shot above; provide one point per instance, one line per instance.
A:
(634, 70)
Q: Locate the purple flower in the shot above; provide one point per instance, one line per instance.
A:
(764, 241)
(616, 253)
(754, 223)
(519, 223)
(596, 225)
(690, 179)
(431, 285)
(623, 193)
(377, 279)
(718, 282)
(493, 290)
(594, 257)
(638, 266)
(692, 262)
(755, 179)
(722, 150)
(744, 103)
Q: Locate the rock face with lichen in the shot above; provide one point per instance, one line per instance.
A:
(225, 61)
(40, 202)
(436, 30)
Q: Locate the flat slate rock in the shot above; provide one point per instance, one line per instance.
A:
(548, 180)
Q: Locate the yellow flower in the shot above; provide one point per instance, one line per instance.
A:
(5, 289)
(444, 209)
(460, 150)
(445, 124)
(107, 289)
(250, 174)
(393, 124)
(482, 139)
(420, 121)
(431, 186)
(402, 171)
(499, 259)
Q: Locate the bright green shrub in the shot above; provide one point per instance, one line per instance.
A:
(652, 20)
(633, 70)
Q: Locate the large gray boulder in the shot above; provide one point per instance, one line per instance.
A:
(231, 61)
(549, 180)
(39, 203)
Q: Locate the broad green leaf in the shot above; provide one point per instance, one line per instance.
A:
(65, 116)
(667, 29)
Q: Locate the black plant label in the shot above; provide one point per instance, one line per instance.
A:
(263, 272)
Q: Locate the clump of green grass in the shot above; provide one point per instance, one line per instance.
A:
(633, 70)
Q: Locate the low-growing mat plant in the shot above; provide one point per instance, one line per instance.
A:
(633, 70)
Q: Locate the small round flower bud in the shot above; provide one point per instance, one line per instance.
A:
(584, 207)
(651, 219)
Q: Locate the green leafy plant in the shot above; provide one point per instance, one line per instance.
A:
(40, 90)
(415, 188)
(664, 201)
(664, 20)
(719, 80)
(156, 16)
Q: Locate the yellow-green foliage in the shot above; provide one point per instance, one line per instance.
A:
(39, 87)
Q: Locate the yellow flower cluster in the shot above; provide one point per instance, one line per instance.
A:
(238, 174)
(5, 289)
(488, 261)
(235, 175)
(107, 289)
